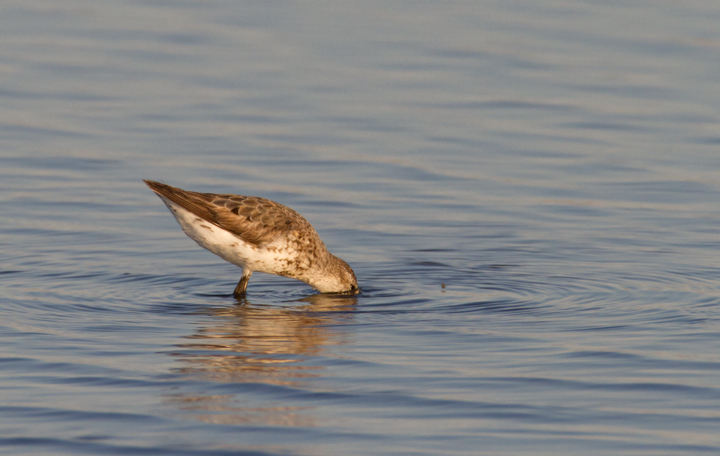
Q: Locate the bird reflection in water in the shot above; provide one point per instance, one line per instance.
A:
(256, 344)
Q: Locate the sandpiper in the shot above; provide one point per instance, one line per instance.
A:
(258, 235)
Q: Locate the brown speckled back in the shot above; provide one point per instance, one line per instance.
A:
(255, 220)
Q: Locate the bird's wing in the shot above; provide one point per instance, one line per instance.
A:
(255, 220)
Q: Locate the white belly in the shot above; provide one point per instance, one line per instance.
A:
(225, 244)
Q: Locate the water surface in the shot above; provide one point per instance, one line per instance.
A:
(528, 194)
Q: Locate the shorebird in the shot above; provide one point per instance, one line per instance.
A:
(258, 235)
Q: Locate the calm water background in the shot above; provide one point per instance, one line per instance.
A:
(555, 164)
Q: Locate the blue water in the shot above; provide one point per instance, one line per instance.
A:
(527, 191)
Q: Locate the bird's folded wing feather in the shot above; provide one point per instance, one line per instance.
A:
(255, 220)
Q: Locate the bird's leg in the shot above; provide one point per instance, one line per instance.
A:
(242, 284)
